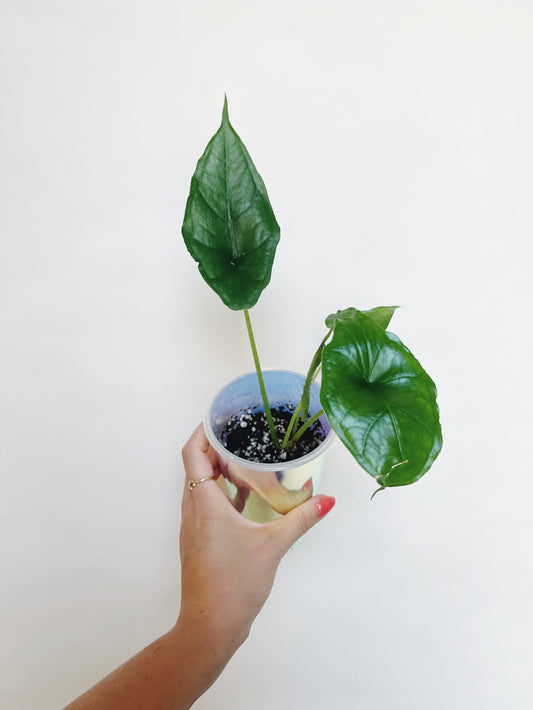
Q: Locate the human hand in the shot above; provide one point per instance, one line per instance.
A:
(228, 563)
(228, 566)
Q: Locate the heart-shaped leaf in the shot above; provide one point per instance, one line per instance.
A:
(380, 401)
(229, 226)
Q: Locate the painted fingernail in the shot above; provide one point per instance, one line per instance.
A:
(308, 485)
(324, 505)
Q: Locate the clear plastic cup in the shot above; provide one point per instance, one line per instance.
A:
(260, 491)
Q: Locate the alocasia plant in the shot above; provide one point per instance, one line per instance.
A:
(376, 395)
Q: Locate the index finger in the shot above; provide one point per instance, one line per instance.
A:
(199, 459)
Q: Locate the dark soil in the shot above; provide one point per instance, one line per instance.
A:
(247, 435)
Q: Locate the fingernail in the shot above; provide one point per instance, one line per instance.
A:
(324, 505)
(308, 485)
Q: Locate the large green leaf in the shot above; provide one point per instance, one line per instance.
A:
(380, 401)
(229, 226)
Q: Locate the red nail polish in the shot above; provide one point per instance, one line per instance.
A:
(324, 505)
(308, 485)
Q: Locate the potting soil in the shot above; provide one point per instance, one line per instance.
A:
(247, 435)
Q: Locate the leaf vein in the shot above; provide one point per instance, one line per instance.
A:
(370, 427)
(396, 377)
(416, 419)
(209, 205)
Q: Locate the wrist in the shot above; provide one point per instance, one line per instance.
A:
(209, 636)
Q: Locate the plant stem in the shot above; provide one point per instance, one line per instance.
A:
(306, 426)
(312, 373)
(294, 419)
(268, 413)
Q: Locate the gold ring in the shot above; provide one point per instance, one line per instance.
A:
(191, 484)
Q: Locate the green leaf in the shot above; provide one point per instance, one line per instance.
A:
(380, 401)
(229, 226)
(381, 315)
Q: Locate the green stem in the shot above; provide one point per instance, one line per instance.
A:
(311, 377)
(294, 419)
(268, 413)
(312, 374)
(306, 426)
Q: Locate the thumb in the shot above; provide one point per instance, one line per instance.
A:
(299, 520)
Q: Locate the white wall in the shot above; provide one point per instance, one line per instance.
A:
(395, 142)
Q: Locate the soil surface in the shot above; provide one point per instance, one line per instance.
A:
(247, 435)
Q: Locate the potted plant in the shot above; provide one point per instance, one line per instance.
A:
(374, 394)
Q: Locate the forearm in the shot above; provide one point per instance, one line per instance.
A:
(170, 674)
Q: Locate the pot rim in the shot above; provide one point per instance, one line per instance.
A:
(255, 465)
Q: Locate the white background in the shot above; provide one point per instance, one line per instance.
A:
(395, 141)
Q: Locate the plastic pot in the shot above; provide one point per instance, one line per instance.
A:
(263, 491)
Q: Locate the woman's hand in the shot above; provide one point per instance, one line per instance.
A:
(228, 562)
(228, 566)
